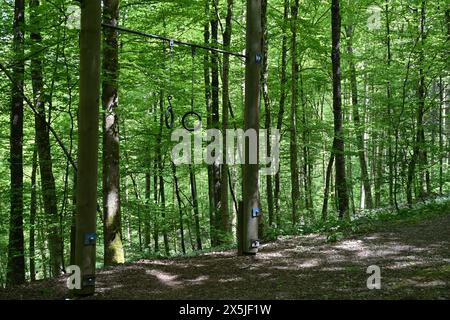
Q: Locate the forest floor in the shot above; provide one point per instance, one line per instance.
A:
(414, 258)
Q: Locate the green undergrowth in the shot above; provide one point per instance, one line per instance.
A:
(367, 221)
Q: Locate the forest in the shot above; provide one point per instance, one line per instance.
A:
(169, 147)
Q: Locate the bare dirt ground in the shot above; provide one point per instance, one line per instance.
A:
(414, 261)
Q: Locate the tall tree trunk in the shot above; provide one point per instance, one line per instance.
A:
(33, 204)
(419, 157)
(43, 145)
(112, 224)
(207, 80)
(341, 180)
(162, 193)
(215, 167)
(283, 80)
(358, 123)
(295, 185)
(224, 210)
(389, 108)
(90, 42)
(307, 164)
(250, 172)
(267, 104)
(16, 261)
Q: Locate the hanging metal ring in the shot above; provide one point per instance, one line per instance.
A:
(169, 116)
(195, 115)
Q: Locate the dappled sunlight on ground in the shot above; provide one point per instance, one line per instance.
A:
(414, 262)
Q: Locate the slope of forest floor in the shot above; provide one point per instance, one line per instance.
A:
(414, 257)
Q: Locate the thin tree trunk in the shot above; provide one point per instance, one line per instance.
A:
(32, 249)
(180, 209)
(16, 261)
(147, 235)
(295, 185)
(358, 123)
(193, 182)
(224, 210)
(339, 149)
(162, 194)
(138, 201)
(43, 145)
(307, 165)
(41, 228)
(215, 167)
(389, 108)
(155, 199)
(419, 157)
(327, 187)
(207, 80)
(73, 227)
(267, 105)
(280, 116)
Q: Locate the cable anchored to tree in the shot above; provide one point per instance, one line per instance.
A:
(179, 42)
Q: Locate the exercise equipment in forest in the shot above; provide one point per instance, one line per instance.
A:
(247, 222)
(192, 113)
(169, 115)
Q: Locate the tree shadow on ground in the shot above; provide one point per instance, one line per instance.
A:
(414, 262)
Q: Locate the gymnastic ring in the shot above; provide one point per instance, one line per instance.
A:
(196, 115)
(169, 115)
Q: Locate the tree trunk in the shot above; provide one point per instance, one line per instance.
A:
(267, 105)
(155, 200)
(43, 145)
(41, 228)
(180, 209)
(389, 108)
(215, 168)
(250, 172)
(207, 80)
(419, 157)
(283, 81)
(147, 235)
(90, 41)
(73, 226)
(162, 193)
(33, 204)
(295, 185)
(224, 210)
(341, 180)
(112, 225)
(327, 188)
(16, 261)
(307, 164)
(358, 123)
(198, 235)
